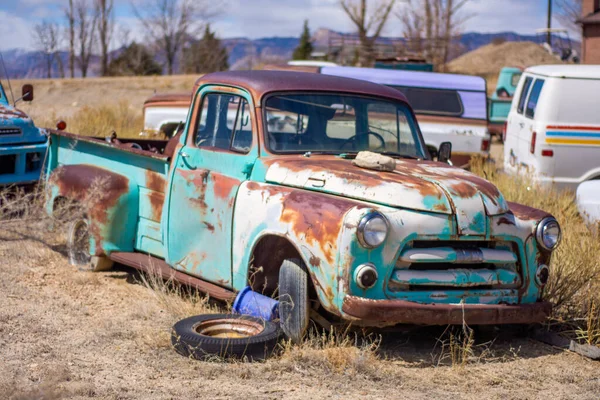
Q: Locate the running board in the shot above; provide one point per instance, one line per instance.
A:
(153, 265)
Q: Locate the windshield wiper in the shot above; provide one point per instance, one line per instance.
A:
(394, 154)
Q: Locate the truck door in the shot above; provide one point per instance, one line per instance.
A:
(217, 156)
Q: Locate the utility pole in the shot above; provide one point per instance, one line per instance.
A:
(549, 24)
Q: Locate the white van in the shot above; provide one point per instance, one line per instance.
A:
(553, 128)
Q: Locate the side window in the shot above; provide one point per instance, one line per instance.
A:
(225, 123)
(523, 96)
(534, 97)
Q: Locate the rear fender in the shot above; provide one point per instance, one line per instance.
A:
(110, 200)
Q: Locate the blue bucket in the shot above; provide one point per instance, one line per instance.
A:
(255, 304)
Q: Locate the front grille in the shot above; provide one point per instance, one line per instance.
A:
(457, 265)
(8, 164)
(10, 131)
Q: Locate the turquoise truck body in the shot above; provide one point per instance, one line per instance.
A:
(22, 145)
(499, 102)
(455, 249)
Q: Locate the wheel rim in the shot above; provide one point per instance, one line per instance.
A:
(79, 244)
(229, 328)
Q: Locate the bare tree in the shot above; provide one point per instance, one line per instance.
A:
(169, 23)
(46, 36)
(368, 24)
(430, 26)
(86, 21)
(568, 12)
(70, 16)
(106, 24)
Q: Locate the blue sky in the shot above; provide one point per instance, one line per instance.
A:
(262, 18)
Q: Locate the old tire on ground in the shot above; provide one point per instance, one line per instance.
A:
(78, 248)
(294, 307)
(216, 336)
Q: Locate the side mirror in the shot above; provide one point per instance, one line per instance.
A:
(445, 152)
(27, 92)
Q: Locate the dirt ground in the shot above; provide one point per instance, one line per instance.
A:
(71, 334)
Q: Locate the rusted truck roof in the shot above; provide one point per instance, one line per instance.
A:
(260, 83)
(183, 99)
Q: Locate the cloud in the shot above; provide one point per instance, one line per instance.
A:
(15, 32)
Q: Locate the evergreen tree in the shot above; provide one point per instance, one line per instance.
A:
(206, 55)
(134, 60)
(305, 47)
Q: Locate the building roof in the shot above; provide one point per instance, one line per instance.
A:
(593, 18)
(430, 80)
(260, 83)
(566, 71)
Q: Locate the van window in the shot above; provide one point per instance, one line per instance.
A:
(433, 101)
(524, 92)
(533, 98)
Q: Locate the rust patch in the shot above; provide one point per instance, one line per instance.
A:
(209, 226)
(223, 185)
(526, 213)
(315, 261)
(155, 181)
(196, 179)
(317, 217)
(156, 203)
(97, 189)
(463, 190)
(441, 207)
(505, 221)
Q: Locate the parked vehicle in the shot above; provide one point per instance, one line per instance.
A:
(22, 144)
(588, 200)
(165, 113)
(285, 199)
(553, 129)
(449, 107)
(500, 101)
(404, 63)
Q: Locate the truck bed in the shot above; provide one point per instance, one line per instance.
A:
(145, 170)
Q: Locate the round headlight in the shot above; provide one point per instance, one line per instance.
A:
(548, 233)
(372, 230)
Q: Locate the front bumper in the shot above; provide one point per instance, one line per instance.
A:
(14, 169)
(392, 312)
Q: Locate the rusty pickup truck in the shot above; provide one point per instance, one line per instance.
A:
(264, 187)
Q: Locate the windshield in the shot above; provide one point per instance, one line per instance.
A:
(335, 123)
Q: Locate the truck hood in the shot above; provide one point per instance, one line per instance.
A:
(417, 185)
(13, 118)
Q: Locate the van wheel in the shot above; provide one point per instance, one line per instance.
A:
(293, 299)
(78, 248)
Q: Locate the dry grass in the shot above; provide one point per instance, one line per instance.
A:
(575, 266)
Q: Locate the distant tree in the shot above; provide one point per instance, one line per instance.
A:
(431, 25)
(106, 26)
(568, 12)
(305, 47)
(169, 23)
(205, 55)
(86, 23)
(368, 24)
(70, 16)
(46, 36)
(134, 60)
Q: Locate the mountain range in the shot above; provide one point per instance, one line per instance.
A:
(245, 53)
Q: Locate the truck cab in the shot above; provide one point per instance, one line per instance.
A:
(501, 98)
(22, 145)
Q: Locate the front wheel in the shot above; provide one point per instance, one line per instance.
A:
(78, 248)
(293, 299)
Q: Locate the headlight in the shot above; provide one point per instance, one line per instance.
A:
(372, 230)
(548, 233)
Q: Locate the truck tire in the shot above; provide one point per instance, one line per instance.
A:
(218, 336)
(78, 248)
(294, 307)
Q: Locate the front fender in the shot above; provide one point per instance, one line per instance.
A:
(312, 222)
(110, 200)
